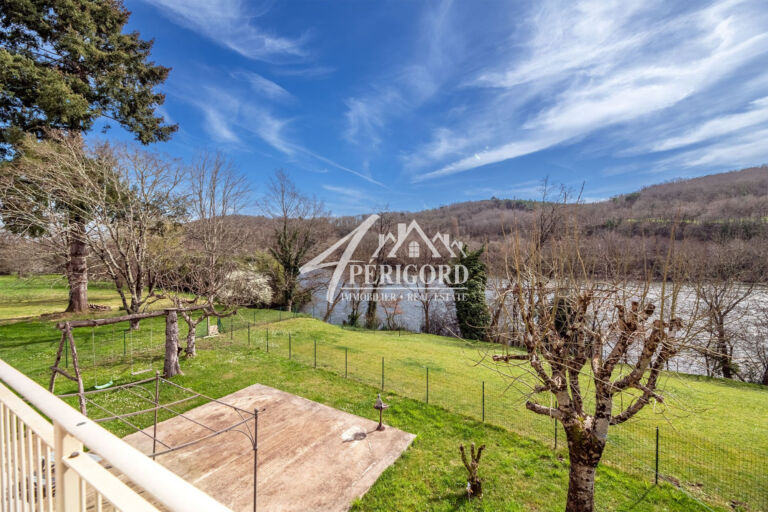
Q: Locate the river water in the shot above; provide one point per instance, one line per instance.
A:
(743, 322)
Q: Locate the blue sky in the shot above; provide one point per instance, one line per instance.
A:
(415, 104)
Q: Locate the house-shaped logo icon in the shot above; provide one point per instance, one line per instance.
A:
(413, 242)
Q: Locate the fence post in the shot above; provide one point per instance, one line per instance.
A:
(267, 331)
(483, 401)
(249, 334)
(66, 352)
(555, 434)
(382, 374)
(315, 353)
(254, 316)
(657, 456)
(290, 347)
(427, 384)
(346, 366)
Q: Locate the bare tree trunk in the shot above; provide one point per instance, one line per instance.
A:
(191, 350)
(764, 382)
(723, 353)
(370, 313)
(171, 367)
(584, 453)
(77, 271)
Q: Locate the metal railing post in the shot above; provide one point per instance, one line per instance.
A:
(157, 406)
(67, 480)
(427, 384)
(483, 401)
(346, 363)
(255, 454)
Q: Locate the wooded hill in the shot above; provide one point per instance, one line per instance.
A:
(731, 205)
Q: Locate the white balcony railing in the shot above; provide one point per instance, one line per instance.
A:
(44, 467)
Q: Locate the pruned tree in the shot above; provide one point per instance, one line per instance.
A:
(63, 65)
(297, 223)
(615, 334)
(474, 482)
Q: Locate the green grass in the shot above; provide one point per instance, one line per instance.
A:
(44, 294)
(713, 437)
(521, 469)
(23, 298)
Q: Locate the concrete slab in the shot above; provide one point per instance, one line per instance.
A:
(305, 464)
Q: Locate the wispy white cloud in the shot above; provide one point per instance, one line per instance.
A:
(722, 125)
(230, 24)
(597, 64)
(231, 120)
(264, 86)
(306, 71)
(745, 150)
(416, 79)
(365, 117)
(355, 193)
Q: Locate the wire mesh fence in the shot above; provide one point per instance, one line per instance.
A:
(726, 472)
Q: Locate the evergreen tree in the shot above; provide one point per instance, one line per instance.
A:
(63, 65)
(472, 311)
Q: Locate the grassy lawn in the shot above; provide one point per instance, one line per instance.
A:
(43, 294)
(707, 424)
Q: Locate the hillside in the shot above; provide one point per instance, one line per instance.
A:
(736, 199)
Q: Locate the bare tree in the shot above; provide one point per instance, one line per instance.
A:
(297, 223)
(317, 285)
(617, 335)
(756, 347)
(43, 195)
(721, 291)
(392, 312)
(381, 228)
(198, 271)
(547, 219)
(354, 303)
(136, 202)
